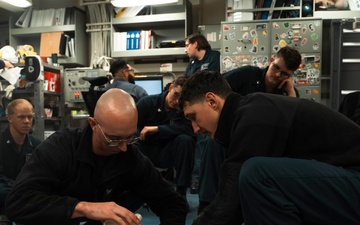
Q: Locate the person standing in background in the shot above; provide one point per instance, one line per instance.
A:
(203, 58)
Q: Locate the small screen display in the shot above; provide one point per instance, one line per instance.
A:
(152, 84)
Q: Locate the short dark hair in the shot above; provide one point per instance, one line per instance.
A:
(291, 57)
(180, 81)
(202, 82)
(203, 44)
(118, 65)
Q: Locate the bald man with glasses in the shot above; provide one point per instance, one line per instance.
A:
(94, 174)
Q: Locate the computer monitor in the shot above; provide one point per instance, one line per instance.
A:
(153, 84)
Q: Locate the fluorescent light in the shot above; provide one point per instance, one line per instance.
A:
(130, 3)
(18, 3)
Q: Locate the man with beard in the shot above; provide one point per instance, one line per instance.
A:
(123, 75)
(16, 145)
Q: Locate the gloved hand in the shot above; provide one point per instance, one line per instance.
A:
(9, 90)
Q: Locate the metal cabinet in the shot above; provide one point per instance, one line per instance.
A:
(42, 99)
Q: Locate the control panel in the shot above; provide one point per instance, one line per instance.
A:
(74, 84)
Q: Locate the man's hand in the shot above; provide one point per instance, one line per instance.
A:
(8, 64)
(288, 85)
(102, 211)
(5, 64)
(148, 130)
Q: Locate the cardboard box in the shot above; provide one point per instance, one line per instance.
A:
(50, 43)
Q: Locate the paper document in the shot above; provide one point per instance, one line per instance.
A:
(11, 75)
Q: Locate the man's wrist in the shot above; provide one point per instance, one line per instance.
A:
(292, 93)
(79, 210)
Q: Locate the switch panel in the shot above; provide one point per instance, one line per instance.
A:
(74, 84)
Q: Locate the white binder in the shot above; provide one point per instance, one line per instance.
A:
(24, 20)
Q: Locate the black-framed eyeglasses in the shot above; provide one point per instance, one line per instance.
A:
(176, 94)
(130, 71)
(276, 68)
(116, 142)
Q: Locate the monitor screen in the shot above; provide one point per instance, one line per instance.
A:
(152, 84)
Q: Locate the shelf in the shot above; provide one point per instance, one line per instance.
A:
(80, 117)
(345, 92)
(53, 119)
(52, 93)
(352, 31)
(351, 44)
(351, 60)
(22, 91)
(32, 36)
(172, 52)
(336, 14)
(36, 31)
(167, 23)
(323, 14)
(49, 67)
(265, 9)
(167, 19)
